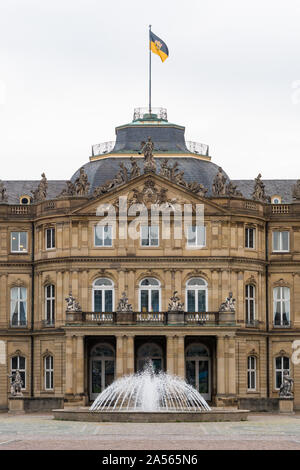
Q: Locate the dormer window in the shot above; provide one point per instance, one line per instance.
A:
(25, 200)
(276, 199)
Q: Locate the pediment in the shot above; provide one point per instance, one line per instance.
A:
(150, 189)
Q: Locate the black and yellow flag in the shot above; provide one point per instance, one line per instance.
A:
(159, 47)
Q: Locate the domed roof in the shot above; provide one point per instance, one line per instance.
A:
(100, 171)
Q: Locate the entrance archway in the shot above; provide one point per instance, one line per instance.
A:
(102, 368)
(198, 368)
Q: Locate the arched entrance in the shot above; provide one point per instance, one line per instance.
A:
(150, 352)
(102, 368)
(198, 368)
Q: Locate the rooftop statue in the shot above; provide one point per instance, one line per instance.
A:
(40, 193)
(296, 190)
(197, 188)
(149, 162)
(175, 305)
(231, 190)
(82, 184)
(124, 172)
(72, 305)
(135, 170)
(3, 195)
(286, 386)
(228, 305)
(259, 190)
(124, 305)
(69, 191)
(16, 384)
(218, 187)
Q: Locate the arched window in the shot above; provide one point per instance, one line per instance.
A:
(196, 295)
(251, 369)
(50, 304)
(102, 368)
(197, 367)
(150, 352)
(103, 295)
(18, 306)
(250, 303)
(282, 363)
(48, 372)
(150, 294)
(281, 306)
(19, 363)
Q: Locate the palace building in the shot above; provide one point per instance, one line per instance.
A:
(217, 303)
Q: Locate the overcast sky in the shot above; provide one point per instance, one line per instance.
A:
(71, 71)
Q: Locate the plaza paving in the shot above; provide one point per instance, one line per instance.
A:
(40, 431)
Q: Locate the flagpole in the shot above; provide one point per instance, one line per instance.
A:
(149, 70)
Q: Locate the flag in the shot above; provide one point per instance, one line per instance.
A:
(159, 47)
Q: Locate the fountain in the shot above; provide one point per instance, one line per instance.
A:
(147, 397)
(147, 391)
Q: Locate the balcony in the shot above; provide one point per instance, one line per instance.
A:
(187, 319)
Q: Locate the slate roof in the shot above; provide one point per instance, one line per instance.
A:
(100, 171)
(17, 188)
(281, 188)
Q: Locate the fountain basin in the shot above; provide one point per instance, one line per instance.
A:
(214, 415)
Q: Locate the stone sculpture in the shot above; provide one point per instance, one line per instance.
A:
(135, 171)
(296, 190)
(231, 190)
(149, 162)
(82, 184)
(286, 386)
(40, 193)
(218, 186)
(72, 305)
(259, 190)
(175, 305)
(69, 191)
(16, 384)
(124, 305)
(3, 195)
(228, 305)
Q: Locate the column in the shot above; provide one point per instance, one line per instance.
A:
(220, 365)
(170, 354)
(80, 365)
(69, 365)
(180, 357)
(119, 356)
(130, 354)
(231, 366)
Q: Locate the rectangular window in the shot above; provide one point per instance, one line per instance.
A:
(103, 235)
(18, 306)
(250, 304)
(281, 306)
(281, 241)
(50, 304)
(149, 235)
(251, 373)
(196, 236)
(50, 238)
(19, 242)
(49, 373)
(249, 237)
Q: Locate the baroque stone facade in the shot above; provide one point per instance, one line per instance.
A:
(150, 297)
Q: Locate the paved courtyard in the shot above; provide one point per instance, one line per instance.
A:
(41, 431)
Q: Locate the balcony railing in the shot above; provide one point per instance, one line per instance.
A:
(144, 318)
